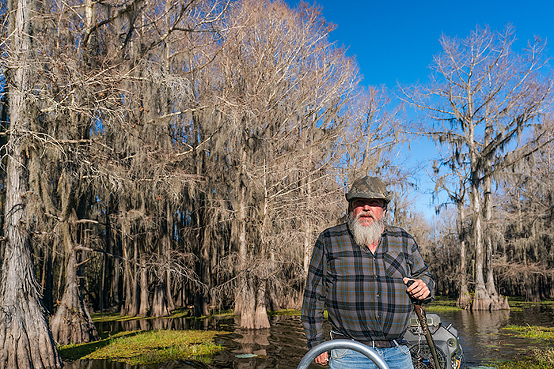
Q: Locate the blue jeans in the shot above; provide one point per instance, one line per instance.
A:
(397, 357)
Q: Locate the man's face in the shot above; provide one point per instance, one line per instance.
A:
(367, 210)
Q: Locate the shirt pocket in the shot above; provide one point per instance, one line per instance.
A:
(395, 264)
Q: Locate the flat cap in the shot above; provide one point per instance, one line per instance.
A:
(369, 188)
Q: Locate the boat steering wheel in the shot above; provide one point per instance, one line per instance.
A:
(347, 344)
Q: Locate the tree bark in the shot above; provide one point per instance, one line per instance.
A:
(261, 320)
(72, 322)
(464, 299)
(244, 295)
(167, 256)
(144, 295)
(159, 303)
(481, 300)
(47, 281)
(497, 301)
(308, 242)
(245, 298)
(25, 338)
(130, 279)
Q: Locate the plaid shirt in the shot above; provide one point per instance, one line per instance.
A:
(362, 292)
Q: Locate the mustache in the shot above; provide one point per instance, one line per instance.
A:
(366, 214)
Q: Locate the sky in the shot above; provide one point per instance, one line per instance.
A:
(394, 42)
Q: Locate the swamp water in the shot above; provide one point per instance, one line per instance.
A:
(283, 345)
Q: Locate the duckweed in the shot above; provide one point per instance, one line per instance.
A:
(144, 348)
(535, 332)
(538, 359)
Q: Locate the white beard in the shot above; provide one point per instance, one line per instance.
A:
(365, 234)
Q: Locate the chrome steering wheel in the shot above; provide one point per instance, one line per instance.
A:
(347, 344)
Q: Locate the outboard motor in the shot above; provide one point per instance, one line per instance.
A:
(448, 348)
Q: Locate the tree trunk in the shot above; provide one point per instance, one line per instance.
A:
(308, 223)
(144, 296)
(134, 304)
(47, 281)
(109, 276)
(498, 302)
(130, 279)
(273, 297)
(127, 278)
(245, 298)
(481, 300)
(159, 304)
(201, 304)
(244, 294)
(167, 256)
(261, 320)
(25, 339)
(308, 242)
(115, 285)
(72, 322)
(169, 292)
(464, 298)
(202, 242)
(201, 307)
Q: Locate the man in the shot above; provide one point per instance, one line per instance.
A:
(359, 272)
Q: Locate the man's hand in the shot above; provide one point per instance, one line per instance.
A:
(322, 359)
(418, 289)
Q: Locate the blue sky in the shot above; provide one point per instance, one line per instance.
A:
(394, 41)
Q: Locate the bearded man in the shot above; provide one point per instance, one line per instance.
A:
(359, 273)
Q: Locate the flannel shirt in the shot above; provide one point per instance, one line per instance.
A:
(363, 293)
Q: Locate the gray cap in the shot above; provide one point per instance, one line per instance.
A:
(369, 188)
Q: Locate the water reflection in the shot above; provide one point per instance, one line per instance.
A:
(480, 333)
(283, 345)
(96, 364)
(157, 324)
(485, 341)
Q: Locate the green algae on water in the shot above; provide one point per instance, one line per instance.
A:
(151, 347)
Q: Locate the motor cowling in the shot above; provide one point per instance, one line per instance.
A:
(447, 345)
